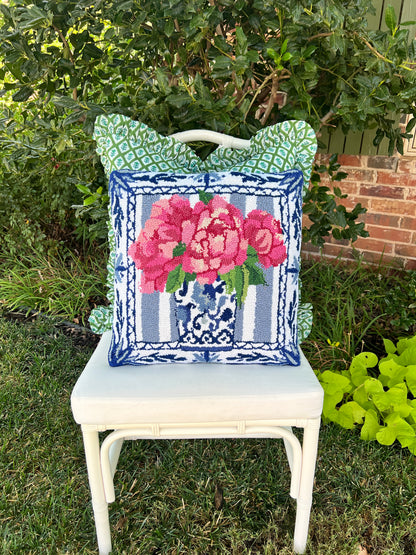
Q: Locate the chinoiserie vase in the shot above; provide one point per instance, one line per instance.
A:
(205, 316)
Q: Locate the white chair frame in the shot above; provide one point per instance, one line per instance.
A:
(102, 457)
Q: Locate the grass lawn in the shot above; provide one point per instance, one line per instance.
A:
(364, 493)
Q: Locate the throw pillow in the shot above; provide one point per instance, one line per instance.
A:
(123, 143)
(206, 267)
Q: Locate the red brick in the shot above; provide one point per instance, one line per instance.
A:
(406, 165)
(382, 162)
(323, 158)
(410, 265)
(408, 223)
(309, 255)
(361, 175)
(382, 220)
(400, 207)
(348, 188)
(382, 191)
(353, 200)
(325, 180)
(389, 234)
(402, 179)
(347, 256)
(338, 242)
(308, 247)
(407, 251)
(349, 202)
(380, 258)
(338, 251)
(351, 160)
(411, 195)
(369, 244)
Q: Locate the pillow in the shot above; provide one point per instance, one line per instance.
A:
(123, 143)
(284, 146)
(206, 267)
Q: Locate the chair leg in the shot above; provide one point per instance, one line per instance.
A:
(99, 503)
(304, 501)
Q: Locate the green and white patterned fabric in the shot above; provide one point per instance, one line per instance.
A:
(123, 143)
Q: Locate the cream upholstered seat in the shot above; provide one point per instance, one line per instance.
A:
(205, 400)
(192, 392)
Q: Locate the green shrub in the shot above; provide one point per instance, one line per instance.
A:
(381, 400)
(326, 216)
(232, 66)
(38, 177)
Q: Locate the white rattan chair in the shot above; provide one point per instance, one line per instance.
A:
(181, 401)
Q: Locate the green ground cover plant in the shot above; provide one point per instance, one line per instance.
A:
(381, 401)
(364, 492)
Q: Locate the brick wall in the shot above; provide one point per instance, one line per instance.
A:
(386, 186)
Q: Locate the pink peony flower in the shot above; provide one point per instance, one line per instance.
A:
(152, 251)
(214, 239)
(264, 234)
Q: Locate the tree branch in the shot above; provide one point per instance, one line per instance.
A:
(373, 50)
(320, 35)
(327, 117)
(272, 99)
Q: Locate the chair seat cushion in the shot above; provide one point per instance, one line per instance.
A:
(192, 393)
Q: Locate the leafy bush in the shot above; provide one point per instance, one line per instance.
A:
(326, 216)
(381, 401)
(231, 66)
(39, 175)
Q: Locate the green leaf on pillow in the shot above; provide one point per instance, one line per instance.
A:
(252, 256)
(204, 196)
(255, 275)
(241, 284)
(175, 279)
(179, 249)
(229, 279)
(190, 277)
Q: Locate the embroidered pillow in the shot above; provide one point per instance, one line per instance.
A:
(123, 143)
(206, 267)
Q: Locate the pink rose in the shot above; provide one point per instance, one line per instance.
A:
(152, 251)
(214, 239)
(264, 234)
